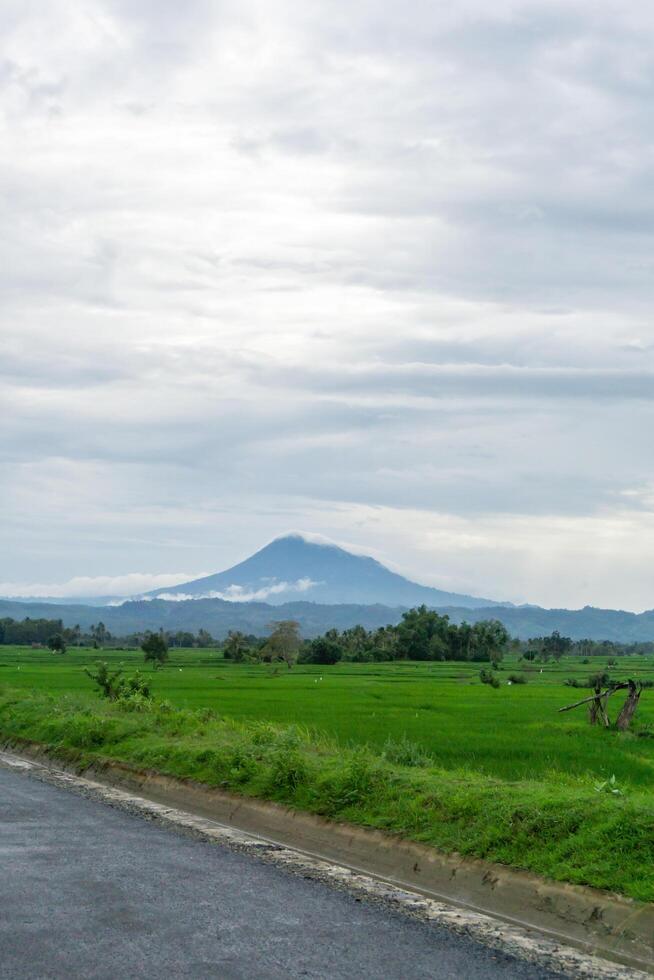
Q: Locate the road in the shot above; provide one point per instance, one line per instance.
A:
(87, 890)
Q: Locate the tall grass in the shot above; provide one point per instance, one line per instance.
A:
(512, 733)
(560, 826)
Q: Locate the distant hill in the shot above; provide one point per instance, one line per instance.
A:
(293, 567)
(216, 615)
(321, 586)
(219, 616)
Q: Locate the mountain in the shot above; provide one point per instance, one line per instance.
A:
(293, 567)
(327, 587)
(219, 616)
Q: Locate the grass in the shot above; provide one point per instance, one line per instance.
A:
(422, 750)
(562, 827)
(513, 733)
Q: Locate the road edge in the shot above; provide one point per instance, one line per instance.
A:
(522, 942)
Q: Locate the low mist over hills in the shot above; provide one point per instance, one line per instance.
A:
(292, 567)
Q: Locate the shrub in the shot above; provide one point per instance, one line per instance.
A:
(289, 768)
(132, 693)
(403, 752)
(353, 783)
(237, 765)
(262, 732)
(598, 680)
(134, 702)
(56, 643)
(488, 677)
(517, 679)
(155, 648)
(108, 681)
(88, 731)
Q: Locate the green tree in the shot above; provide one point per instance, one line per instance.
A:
(423, 635)
(356, 644)
(56, 643)
(236, 646)
(109, 681)
(489, 640)
(556, 645)
(182, 638)
(284, 642)
(155, 648)
(322, 650)
(75, 634)
(383, 643)
(100, 634)
(462, 641)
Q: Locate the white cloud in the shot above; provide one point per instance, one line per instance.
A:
(238, 593)
(267, 264)
(100, 585)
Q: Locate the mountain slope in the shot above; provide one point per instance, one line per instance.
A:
(293, 568)
(219, 617)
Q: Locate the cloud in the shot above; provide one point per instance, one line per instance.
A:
(100, 585)
(266, 266)
(239, 593)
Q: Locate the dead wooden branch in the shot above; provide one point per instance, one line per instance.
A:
(597, 708)
(597, 704)
(605, 694)
(628, 709)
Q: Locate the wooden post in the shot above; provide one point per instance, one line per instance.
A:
(628, 709)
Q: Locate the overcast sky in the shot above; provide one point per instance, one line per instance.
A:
(376, 270)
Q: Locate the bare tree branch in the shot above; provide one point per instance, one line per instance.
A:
(605, 694)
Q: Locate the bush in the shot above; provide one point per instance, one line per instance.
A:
(517, 679)
(134, 702)
(237, 765)
(56, 643)
(403, 752)
(488, 677)
(132, 693)
(155, 648)
(289, 768)
(598, 680)
(353, 784)
(108, 681)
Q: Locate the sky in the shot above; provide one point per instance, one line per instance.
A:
(375, 271)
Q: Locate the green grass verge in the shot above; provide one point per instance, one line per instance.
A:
(513, 733)
(561, 827)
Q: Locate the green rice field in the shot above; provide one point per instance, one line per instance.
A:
(513, 733)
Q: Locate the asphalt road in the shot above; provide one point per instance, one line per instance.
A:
(90, 891)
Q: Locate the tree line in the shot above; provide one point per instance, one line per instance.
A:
(40, 632)
(421, 634)
(554, 646)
